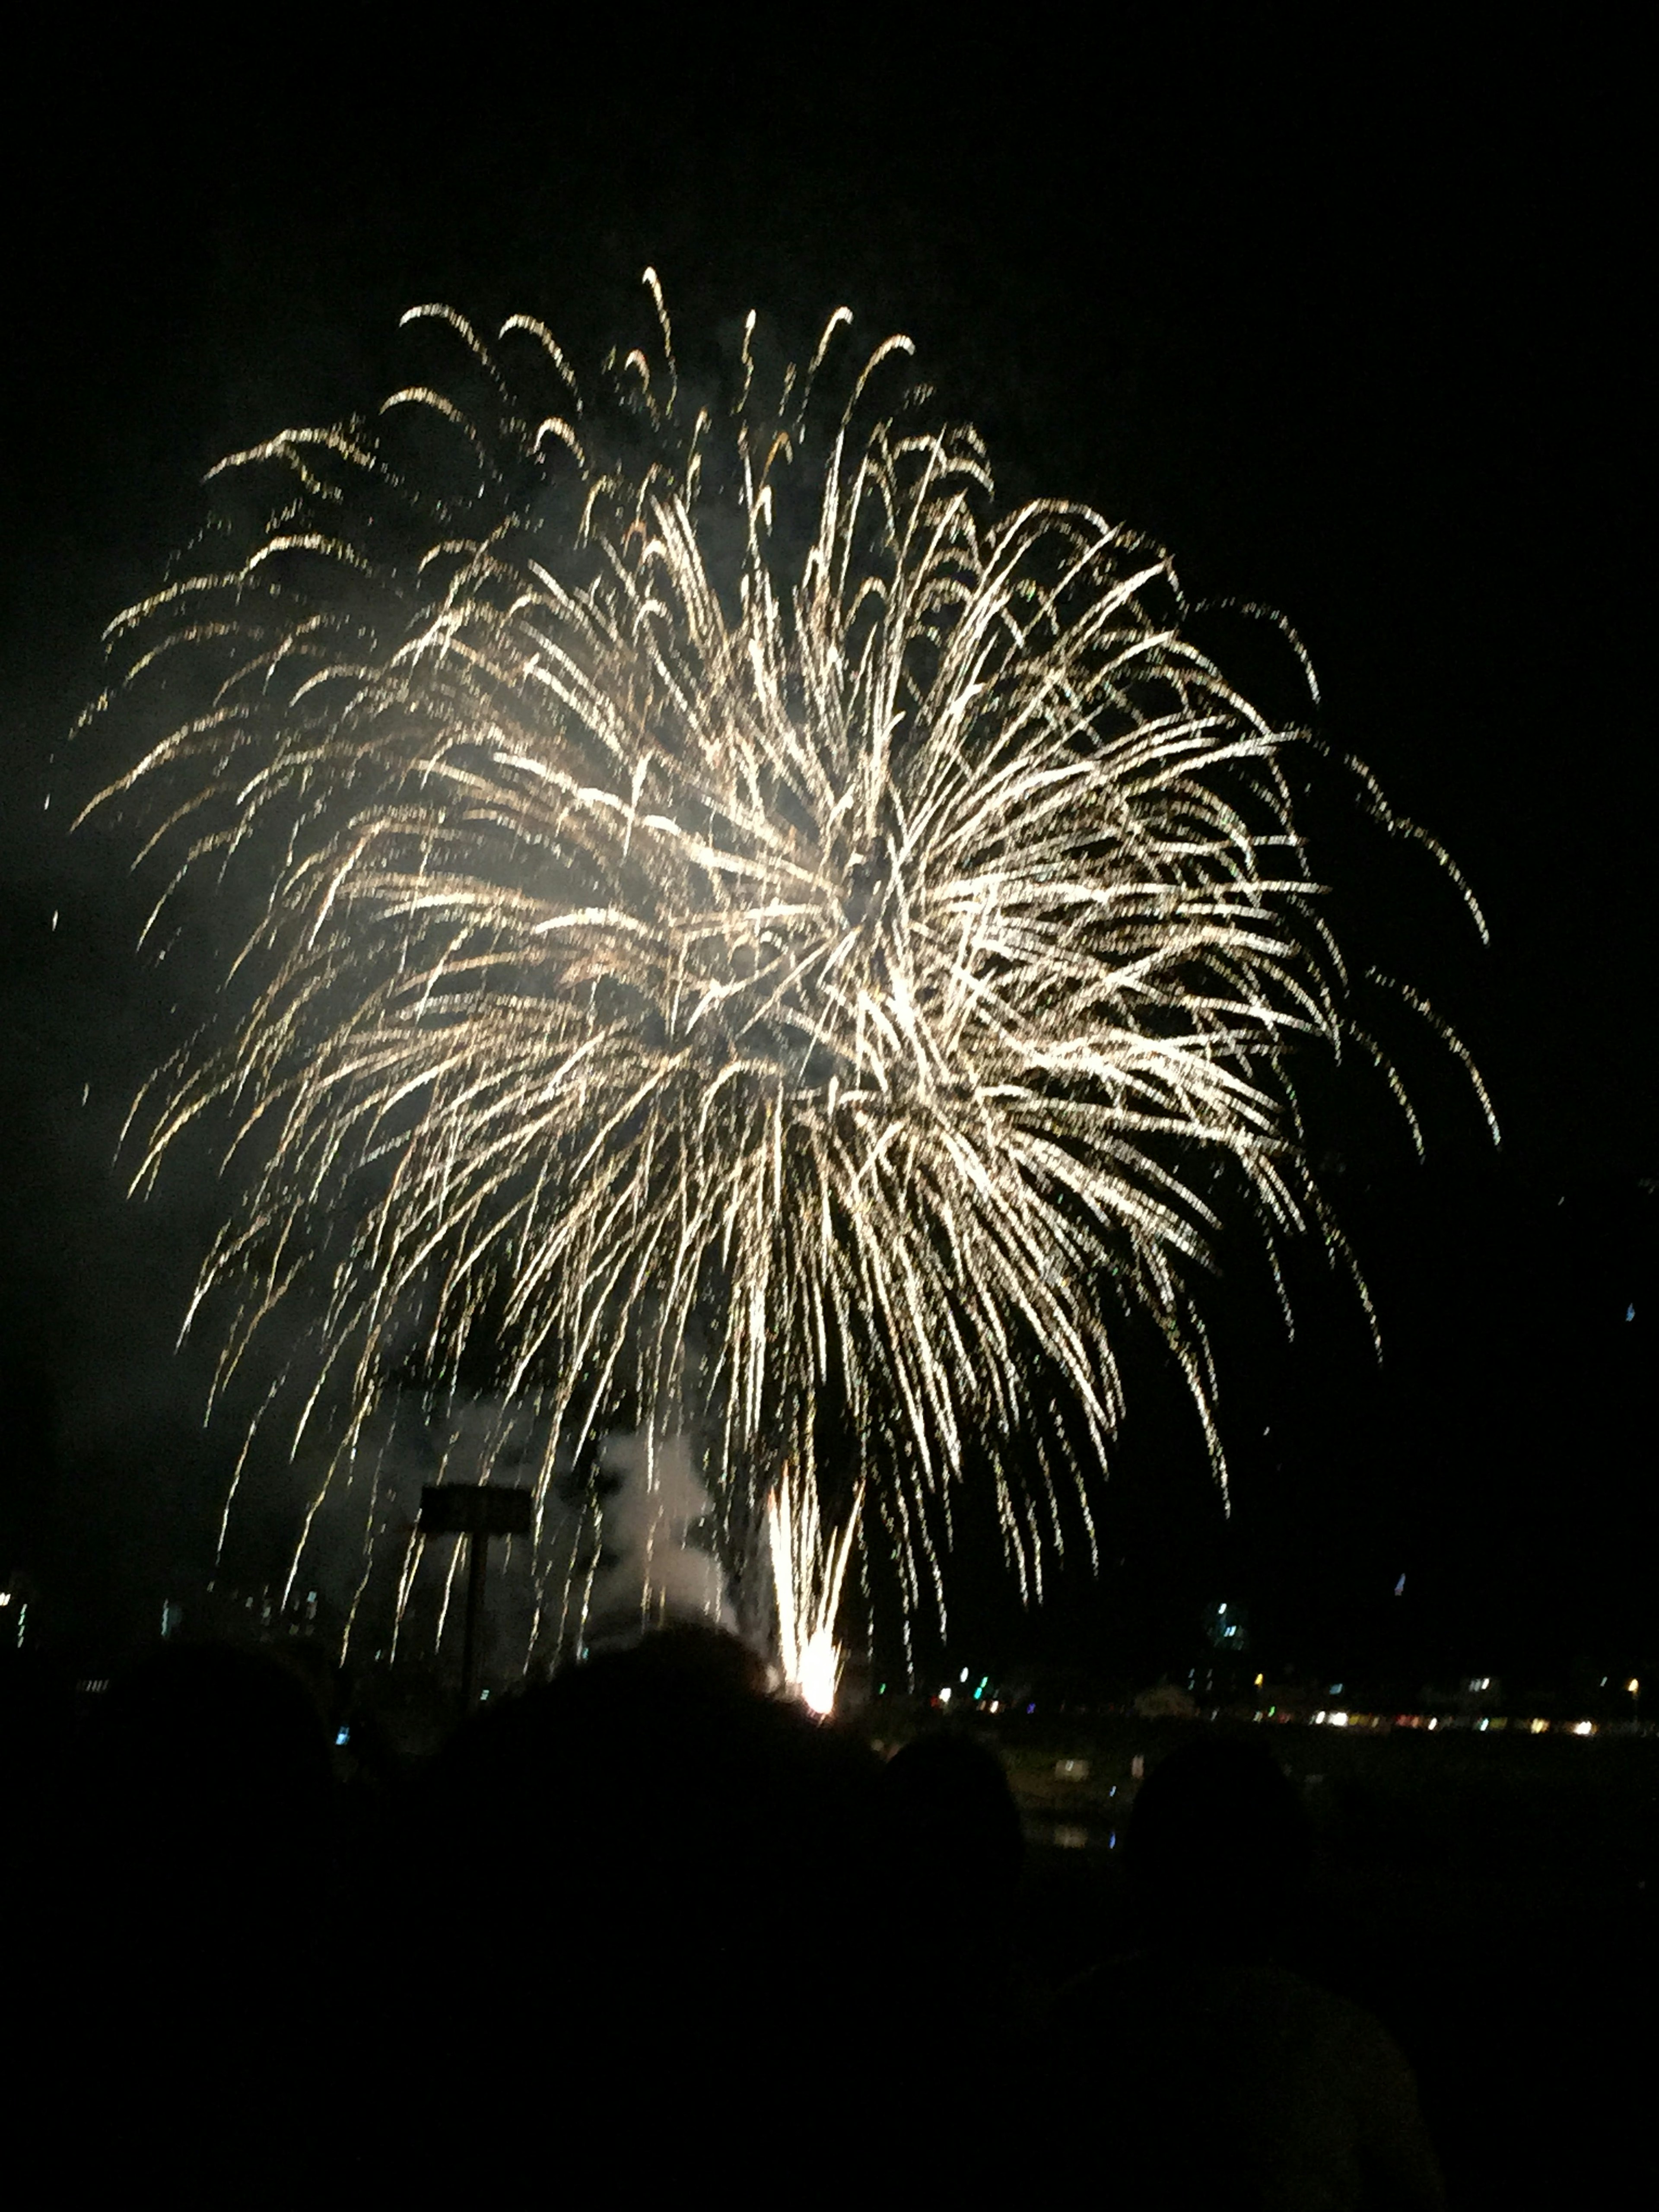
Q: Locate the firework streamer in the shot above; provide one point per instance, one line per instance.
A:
(808, 1570)
(749, 943)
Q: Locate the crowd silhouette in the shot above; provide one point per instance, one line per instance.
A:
(642, 1920)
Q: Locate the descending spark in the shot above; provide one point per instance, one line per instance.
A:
(747, 940)
(808, 1570)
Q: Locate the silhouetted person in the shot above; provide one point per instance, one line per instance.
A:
(203, 1798)
(946, 1995)
(1204, 2070)
(955, 1833)
(637, 1921)
(189, 1926)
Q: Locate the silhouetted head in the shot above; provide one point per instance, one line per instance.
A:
(200, 1820)
(663, 1839)
(1217, 1845)
(198, 1727)
(953, 1815)
(691, 1655)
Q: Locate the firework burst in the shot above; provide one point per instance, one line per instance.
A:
(742, 932)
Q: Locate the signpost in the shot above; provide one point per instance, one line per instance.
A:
(476, 1511)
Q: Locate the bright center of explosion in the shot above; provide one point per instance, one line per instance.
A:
(820, 1670)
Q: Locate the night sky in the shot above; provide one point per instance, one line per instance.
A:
(1352, 327)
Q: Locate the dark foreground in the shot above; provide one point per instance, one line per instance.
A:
(645, 1924)
(1491, 1899)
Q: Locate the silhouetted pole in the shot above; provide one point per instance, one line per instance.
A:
(478, 1511)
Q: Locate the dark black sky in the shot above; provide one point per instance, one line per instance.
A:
(1350, 322)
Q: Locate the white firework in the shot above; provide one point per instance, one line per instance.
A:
(746, 936)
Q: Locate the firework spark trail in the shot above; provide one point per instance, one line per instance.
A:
(743, 931)
(808, 1570)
